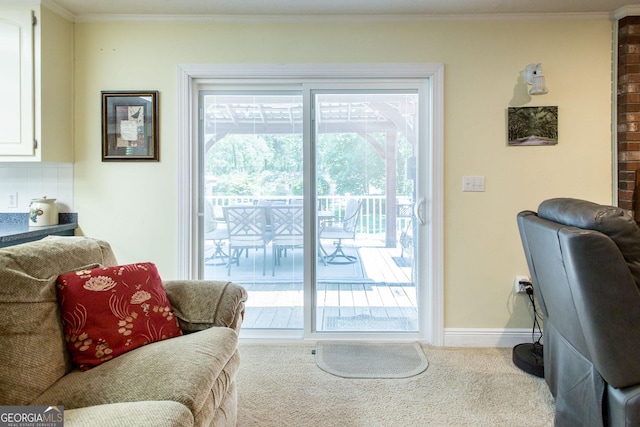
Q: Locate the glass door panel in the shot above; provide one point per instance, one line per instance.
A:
(365, 145)
(253, 202)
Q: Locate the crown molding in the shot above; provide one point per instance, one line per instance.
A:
(625, 11)
(49, 4)
(57, 9)
(302, 19)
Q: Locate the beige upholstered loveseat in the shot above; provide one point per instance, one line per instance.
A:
(184, 381)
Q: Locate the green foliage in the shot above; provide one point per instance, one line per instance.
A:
(235, 183)
(533, 121)
(322, 187)
(351, 162)
(272, 165)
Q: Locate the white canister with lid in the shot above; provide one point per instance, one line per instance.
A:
(43, 211)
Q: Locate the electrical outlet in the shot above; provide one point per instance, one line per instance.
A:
(519, 287)
(12, 199)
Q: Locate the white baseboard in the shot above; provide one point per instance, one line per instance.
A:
(459, 337)
(453, 337)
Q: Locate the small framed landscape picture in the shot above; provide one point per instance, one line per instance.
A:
(130, 126)
(527, 126)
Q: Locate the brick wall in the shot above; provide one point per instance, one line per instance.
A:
(628, 122)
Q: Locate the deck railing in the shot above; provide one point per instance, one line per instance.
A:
(372, 222)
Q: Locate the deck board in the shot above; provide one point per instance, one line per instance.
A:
(374, 291)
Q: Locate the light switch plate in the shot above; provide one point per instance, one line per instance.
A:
(473, 183)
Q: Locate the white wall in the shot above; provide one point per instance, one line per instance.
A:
(35, 180)
(133, 205)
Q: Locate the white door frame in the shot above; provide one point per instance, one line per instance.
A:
(431, 279)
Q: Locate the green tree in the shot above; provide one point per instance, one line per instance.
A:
(533, 121)
(272, 165)
(238, 153)
(351, 162)
(287, 152)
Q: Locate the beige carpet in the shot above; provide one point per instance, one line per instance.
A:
(281, 385)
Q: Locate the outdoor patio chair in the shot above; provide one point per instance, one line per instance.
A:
(340, 230)
(287, 226)
(267, 203)
(215, 230)
(247, 230)
(405, 210)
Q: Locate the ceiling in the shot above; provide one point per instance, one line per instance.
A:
(81, 8)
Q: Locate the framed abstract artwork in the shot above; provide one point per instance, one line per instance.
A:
(130, 126)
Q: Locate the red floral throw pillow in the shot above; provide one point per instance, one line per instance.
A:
(109, 311)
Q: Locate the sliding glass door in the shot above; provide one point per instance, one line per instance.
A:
(309, 194)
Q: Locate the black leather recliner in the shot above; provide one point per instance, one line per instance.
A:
(584, 261)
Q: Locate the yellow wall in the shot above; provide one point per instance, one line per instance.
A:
(56, 89)
(133, 205)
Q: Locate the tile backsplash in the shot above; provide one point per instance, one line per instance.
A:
(34, 180)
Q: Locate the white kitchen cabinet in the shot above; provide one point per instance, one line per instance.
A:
(36, 85)
(17, 130)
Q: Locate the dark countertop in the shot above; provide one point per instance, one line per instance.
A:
(14, 227)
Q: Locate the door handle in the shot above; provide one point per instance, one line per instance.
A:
(418, 212)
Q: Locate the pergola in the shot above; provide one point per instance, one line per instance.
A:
(364, 114)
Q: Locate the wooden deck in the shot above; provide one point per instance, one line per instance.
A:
(372, 294)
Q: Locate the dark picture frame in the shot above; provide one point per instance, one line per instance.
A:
(527, 126)
(130, 126)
